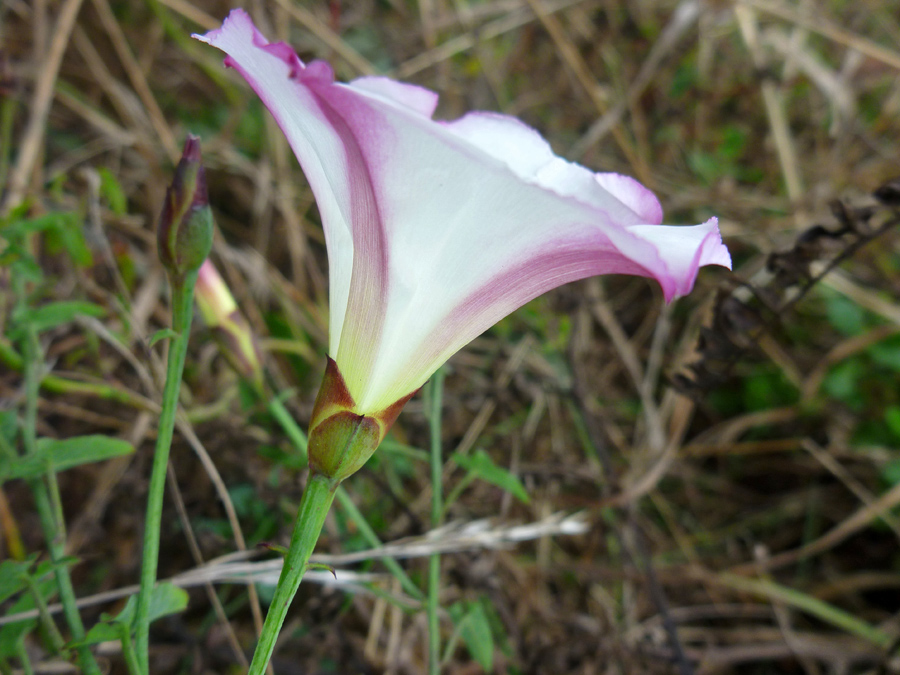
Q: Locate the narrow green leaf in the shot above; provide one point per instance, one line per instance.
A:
(161, 334)
(56, 314)
(482, 466)
(59, 455)
(475, 629)
(69, 452)
(8, 426)
(813, 606)
(112, 191)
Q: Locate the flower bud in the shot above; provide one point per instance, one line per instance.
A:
(185, 228)
(230, 328)
(340, 439)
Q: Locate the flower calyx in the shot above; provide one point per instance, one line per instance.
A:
(341, 439)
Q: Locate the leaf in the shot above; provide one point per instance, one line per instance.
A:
(12, 633)
(11, 581)
(892, 419)
(846, 316)
(482, 466)
(8, 426)
(112, 191)
(55, 314)
(63, 230)
(165, 599)
(67, 234)
(161, 334)
(105, 631)
(472, 623)
(59, 455)
(809, 604)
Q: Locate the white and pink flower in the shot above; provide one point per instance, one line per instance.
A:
(436, 230)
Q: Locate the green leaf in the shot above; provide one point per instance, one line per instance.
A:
(11, 573)
(892, 419)
(886, 354)
(482, 466)
(846, 316)
(890, 474)
(55, 314)
(12, 633)
(67, 235)
(59, 455)
(112, 191)
(8, 426)
(843, 382)
(63, 230)
(161, 334)
(106, 631)
(472, 622)
(165, 599)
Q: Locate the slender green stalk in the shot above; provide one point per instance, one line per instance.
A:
(182, 313)
(435, 403)
(7, 117)
(287, 423)
(46, 495)
(24, 659)
(298, 439)
(130, 656)
(314, 506)
(53, 635)
(809, 604)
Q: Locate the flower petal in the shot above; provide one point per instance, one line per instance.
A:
(417, 99)
(436, 230)
(530, 157)
(331, 160)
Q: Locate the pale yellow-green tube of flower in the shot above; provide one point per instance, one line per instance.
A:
(230, 328)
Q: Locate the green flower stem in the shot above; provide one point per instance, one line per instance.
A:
(314, 506)
(435, 402)
(130, 656)
(298, 439)
(24, 659)
(46, 495)
(57, 641)
(182, 313)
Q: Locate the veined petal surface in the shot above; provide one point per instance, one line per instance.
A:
(437, 230)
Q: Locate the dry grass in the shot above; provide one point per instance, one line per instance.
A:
(748, 527)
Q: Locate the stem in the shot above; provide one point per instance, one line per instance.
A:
(46, 495)
(57, 641)
(24, 659)
(314, 506)
(128, 653)
(7, 117)
(434, 562)
(298, 438)
(182, 313)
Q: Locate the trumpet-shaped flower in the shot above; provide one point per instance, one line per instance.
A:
(436, 230)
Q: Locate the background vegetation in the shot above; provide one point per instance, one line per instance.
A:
(734, 458)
